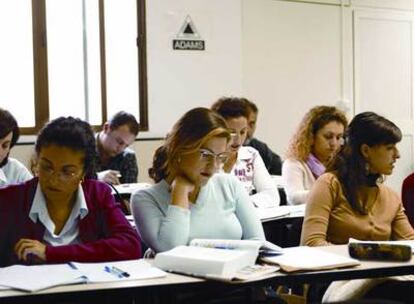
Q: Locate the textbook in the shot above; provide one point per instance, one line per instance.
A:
(263, 247)
(305, 258)
(217, 259)
(39, 277)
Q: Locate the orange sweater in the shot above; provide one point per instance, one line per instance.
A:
(329, 219)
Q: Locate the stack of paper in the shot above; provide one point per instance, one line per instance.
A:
(309, 258)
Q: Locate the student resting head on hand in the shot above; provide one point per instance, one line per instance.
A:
(59, 216)
(350, 201)
(315, 142)
(11, 170)
(190, 199)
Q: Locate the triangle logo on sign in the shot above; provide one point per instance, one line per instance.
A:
(188, 30)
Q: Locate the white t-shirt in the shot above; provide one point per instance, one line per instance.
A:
(251, 171)
(13, 172)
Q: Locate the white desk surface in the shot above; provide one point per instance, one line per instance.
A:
(130, 188)
(365, 270)
(170, 279)
(279, 212)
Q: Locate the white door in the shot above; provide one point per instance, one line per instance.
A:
(383, 75)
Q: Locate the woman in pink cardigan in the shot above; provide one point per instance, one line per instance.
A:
(60, 216)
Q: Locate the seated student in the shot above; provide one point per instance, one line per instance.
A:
(116, 162)
(317, 139)
(11, 170)
(272, 161)
(350, 200)
(190, 199)
(245, 162)
(59, 216)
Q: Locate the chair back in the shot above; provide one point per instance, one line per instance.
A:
(407, 195)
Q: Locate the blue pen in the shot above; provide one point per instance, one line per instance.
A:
(116, 272)
(72, 265)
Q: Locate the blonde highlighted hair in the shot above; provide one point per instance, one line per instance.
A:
(188, 135)
(316, 118)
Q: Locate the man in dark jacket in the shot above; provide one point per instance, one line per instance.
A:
(272, 161)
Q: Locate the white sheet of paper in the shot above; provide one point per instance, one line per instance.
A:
(34, 278)
(137, 270)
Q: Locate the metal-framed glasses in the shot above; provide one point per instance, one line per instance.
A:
(65, 175)
(209, 157)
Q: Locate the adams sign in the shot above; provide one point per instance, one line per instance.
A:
(188, 37)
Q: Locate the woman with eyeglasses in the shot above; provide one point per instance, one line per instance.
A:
(315, 142)
(245, 162)
(190, 199)
(11, 170)
(60, 216)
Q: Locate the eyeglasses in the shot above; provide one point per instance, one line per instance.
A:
(208, 156)
(64, 176)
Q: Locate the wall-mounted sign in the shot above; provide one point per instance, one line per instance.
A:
(188, 37)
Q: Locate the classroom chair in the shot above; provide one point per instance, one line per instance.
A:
(407, 195)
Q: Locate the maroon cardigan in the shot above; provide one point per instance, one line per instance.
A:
(105, 233)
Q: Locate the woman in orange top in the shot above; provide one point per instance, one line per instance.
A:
(350, 200)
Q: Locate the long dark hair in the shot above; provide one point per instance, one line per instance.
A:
(8, 124)
(190, 132)
(349, 165)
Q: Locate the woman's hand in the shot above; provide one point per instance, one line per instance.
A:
(231, 161)
(27, 247)
(181, 188)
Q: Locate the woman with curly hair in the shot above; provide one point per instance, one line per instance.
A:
(317, 139)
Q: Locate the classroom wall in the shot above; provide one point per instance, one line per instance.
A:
(180, 80)
(292, 56)
(287, 56)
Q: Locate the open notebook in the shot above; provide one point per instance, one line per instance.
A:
(305, 258)
(35, 278)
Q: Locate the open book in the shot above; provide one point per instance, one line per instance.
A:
(262, 247)
(305, 258)
(38, 277)
(217, 259)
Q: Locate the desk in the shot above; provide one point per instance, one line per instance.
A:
(283, 224)
(144, 291)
